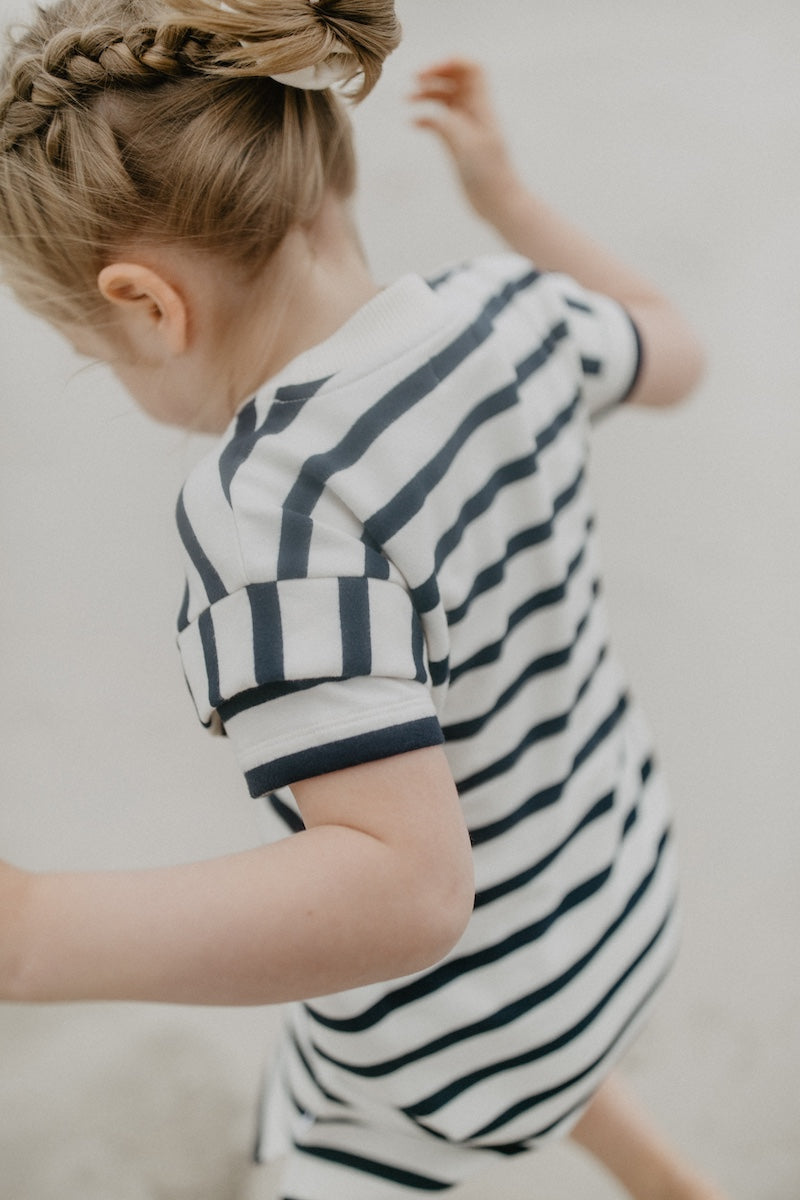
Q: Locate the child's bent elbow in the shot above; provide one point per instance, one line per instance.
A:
(674, 359)
(456, 915)
(449, 905)
(690, 367)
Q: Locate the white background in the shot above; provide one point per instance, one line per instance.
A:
(672, 133)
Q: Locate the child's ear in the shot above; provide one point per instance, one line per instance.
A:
(150, 307)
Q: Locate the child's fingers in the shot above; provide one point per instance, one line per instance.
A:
(434, 96)
(457, 84)
(458, 75)
(435, 89)
(453, 68)
(457, 108)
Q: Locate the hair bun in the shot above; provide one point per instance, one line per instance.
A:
(283, 37)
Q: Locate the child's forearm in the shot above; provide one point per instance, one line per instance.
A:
(537, 231)
(464, 118)
(282, 922)
(673, 360)
(329, 908)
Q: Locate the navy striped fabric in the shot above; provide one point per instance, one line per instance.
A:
(395, 547)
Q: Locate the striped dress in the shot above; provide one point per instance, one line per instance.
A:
(394, 547)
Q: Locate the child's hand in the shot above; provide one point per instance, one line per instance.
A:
(465, 120)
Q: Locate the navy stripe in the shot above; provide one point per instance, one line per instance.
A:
(630, 820)
(278, 689)
(418, 647)
(265, 612)
(205, 626)
(450, 970)
(550, 795)
(638, 367)
(488, 895)
(480, 502)
(425, 597)
(528, 1143)
(436, 281)
(436, 1100)
(439, 671)
(633, 815)
(387, 521)
(265, 693)
(542, 1131)
(301, 1056)
(376, 565)
(579, 305)
(183, 615)
(534, 535)
(293, 1100)
(539, 600)
(507, 293)
(455, 968)
(337, 1122)
(374, 423)
(238, 448)
(295, 544)
(602, 732)
(292, 820)
(214, 587)
(289, 402)
(511, 473)
(539, 666)
(371, 1166)
(292, 393)
(347, 752)
(530, 365)
(537, 733)
(541, 1097)
(319, 468)
(354, 620)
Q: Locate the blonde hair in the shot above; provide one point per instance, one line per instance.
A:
(130, 121)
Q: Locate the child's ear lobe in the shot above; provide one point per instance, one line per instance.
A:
(148, 304)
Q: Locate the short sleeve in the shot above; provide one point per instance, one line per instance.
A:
(311, 675)
(607, 342)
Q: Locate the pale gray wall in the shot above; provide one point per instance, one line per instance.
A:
(672, 132)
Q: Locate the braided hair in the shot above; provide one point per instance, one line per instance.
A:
(121, 123)
(43, 87)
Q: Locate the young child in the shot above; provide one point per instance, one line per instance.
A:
(393, 605)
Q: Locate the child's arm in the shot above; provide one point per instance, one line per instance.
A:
(465, 121)
(377, 886)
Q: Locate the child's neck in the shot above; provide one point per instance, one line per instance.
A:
(317, 280)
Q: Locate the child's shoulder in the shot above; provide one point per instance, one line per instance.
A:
(482, 273)
(505, 282)
(509, 291)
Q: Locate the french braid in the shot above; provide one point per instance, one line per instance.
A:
(74, 64)
(127, 121)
